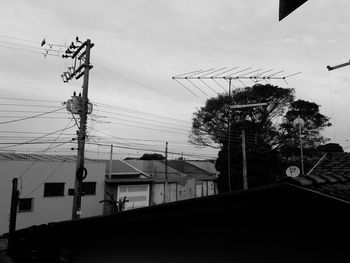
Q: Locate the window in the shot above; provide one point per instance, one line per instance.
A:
(89, 188)
(25, 205)
(53, 189)
(133, 188)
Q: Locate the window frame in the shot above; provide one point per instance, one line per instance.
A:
(54, 195)
(94, 191)
(27, 210)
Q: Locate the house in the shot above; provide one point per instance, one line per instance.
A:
(203, 172)
(330, 176)
(152, 182)
(43, 183)
(280, 223)
(124, 180)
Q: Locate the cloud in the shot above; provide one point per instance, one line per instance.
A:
(280, 41)
(309, 40)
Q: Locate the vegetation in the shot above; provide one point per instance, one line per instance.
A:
(272, 141)
(152, 156)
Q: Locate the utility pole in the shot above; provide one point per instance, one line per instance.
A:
(229, 138)
(13, 215)
(82, 107)
(244, 162)
(166, 190)
(110, 162)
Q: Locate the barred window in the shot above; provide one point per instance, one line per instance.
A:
(53, 189)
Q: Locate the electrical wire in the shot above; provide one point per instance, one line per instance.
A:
(136, 144)
(21, 39)
(138, 112)
(23, 99)
(42, 182)
(23, 173)
(129, 79)
(142, 118)
(38, 138)
(30, 117)
(39, 48)
(152, 150)
(27, 105)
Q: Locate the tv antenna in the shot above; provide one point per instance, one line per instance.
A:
(204, 80)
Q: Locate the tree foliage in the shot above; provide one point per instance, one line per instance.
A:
(269, 130)
(315, 122)
(152, 156)
(210, 123)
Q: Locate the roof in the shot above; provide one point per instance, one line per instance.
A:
(156, 169)
(120, 167)
(330, 176)
(281, 223)
(191, 170)
(205, 165)
(10, 156)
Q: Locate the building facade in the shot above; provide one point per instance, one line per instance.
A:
(151, 182)
(43, 184)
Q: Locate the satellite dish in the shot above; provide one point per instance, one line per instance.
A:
(293, 171)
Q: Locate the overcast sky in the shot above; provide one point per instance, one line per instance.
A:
(140, 45)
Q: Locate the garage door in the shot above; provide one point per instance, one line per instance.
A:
(138, 195)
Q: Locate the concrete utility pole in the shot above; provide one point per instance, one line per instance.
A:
(81, 106)
(76, 212)
(244, 162)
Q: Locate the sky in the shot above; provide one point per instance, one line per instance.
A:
(139, 46)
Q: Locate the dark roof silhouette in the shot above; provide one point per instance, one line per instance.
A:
(330, 176)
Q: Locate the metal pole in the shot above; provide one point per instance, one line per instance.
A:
(301, 152)
(76, 211)
(13, 216)
(244, 162)
(110, 162)
(229, 137)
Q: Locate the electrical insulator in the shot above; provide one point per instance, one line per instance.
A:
(90, 108)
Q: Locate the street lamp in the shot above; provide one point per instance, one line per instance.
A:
(299, 123)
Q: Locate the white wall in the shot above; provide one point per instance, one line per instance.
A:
(47, 209)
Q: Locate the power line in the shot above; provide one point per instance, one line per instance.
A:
(30, 117)
(21, 39)
(40, 137)
(151, 150)
(142, 118)
(23, 99)
(27, 105)
(42, 182)
(139, 112)
(38, 48)
(129, 79)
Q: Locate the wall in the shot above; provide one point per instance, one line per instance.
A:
(47, 209)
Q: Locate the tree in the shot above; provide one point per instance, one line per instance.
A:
(269, 130)
(315, 122)
(152, 156)
(210, 122)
